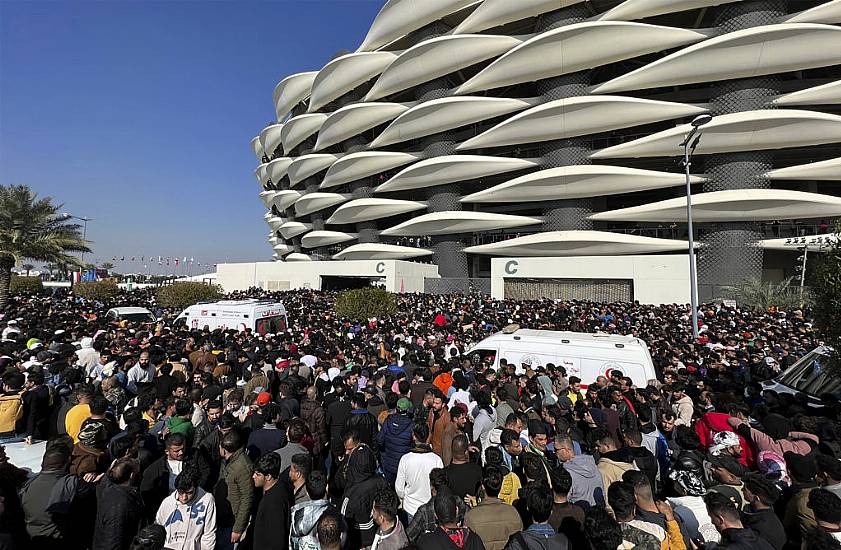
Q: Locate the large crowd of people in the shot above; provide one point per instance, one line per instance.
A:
(385, 435)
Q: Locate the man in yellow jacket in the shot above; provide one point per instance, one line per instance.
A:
(11, 404)
(78, 413)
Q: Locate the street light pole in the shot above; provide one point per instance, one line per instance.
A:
(84, 221)
(688, 148)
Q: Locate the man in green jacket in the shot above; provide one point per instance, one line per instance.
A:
(181, 422)
(234, 492)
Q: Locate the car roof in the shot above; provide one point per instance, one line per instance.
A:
(129, 310)
(571, 336)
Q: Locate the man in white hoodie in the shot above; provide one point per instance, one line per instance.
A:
(87, 357)
(188, 515)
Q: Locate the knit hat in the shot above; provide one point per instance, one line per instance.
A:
(802, 468)
(536, 427)
(404, 405)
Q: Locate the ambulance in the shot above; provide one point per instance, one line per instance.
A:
(584, 355)
(261, 316)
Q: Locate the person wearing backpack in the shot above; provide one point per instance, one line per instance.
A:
(539, 535)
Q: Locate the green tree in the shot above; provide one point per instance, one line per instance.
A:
(28, 268)
(100, 291)
(107, 266)
(181, 295)
(32, 228)
(362, 304)
(760, 295)
(827, 295)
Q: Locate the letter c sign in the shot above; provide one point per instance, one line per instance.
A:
(511, 267)
(380, 267)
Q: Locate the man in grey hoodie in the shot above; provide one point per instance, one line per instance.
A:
(305, 515)
(587, 483)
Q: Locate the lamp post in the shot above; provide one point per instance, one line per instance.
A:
(689, 146)
(84, 221)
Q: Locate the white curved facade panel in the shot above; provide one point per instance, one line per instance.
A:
(284, 199)
(825, 170)
(578, 243)
(354, 119)
(578, 116)
(281, 250)
(300, 128)
(437, 57)
(278, 168)
(446, 113)
(826, 94)
(735, 132)
(746, 53)
(345, 73)
(298, 257)
(314, 202)
(380, 251)
(631, 10)
(732, 206)
(308, 165)
(361, 210)
(450, 169)
(493, 13)
(292, 90)
(453, 222)
(293, 229)
(815, 243)
(270, 138)
(274, 221)
(398, 18)
(828, 12)
(266, 197)
(576, 47)
(365, 164)
(257, 147)
(261, 173)
(578, 181)
(317, 239)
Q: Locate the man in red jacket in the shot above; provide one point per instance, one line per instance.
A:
(711, 424)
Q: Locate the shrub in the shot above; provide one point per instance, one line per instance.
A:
(100, 291)
(26, 285)
(762, 295)
(827, 293)
(181, 295)
(364, 303)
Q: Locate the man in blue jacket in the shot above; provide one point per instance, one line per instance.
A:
(395, 438)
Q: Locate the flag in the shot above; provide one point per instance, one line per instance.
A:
(176, 262)
(122, 258)
(132, 258)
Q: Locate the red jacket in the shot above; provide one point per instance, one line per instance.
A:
(711, 423)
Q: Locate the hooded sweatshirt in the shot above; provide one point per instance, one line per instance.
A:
(305, 516)
(615, 463)
(484, 422)
(586, 480)
(189, 526)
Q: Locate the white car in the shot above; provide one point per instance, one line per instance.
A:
(131, 314)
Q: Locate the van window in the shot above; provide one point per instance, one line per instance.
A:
(271, 325)
(811, 376)
(180, 322)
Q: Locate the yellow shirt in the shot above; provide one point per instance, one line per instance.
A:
(510, 490)
(73, 420)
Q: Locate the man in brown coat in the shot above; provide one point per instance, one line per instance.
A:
(439, 418)
(492, 519)
(458, 419)
(316, 418)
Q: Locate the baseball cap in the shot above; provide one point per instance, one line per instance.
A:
(264, 398)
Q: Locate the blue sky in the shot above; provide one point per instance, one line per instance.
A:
(139, 114)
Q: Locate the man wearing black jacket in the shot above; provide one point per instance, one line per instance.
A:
(119, 510)
(271, 521)
(643, 458)
(362, 421)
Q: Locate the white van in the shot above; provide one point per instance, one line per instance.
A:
(584, 355)
(261, 316)
(130, 314)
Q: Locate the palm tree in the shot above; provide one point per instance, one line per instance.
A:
(107, 266)
(32, 228)
(28, 268)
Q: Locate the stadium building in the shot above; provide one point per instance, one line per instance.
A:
(485, 136)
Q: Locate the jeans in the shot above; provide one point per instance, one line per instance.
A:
(223, 538)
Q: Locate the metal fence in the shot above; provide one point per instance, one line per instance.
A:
(453, 285)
